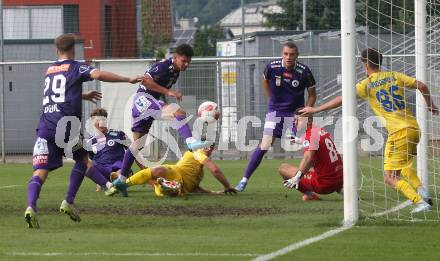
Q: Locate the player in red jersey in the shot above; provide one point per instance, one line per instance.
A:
(320, 170)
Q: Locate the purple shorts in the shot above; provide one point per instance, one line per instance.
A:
(47, 155)
(144, 111)
(277, 122)
(107, 169)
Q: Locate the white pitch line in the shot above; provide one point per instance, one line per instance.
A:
(393, 209)
(129, 254)
(10, 186)
(301, 244)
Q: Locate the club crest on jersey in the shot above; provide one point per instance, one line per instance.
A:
(295, 83)
(83, 68)
(111, 143)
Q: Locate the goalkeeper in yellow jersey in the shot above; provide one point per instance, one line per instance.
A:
(385, 92)
(181, 178)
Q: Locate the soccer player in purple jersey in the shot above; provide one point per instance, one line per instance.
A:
(147, 107)
(284, 82)
(62, 105)
(106, 149)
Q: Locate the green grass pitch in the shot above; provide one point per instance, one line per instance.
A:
(261, 220)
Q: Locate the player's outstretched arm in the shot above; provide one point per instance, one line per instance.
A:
(154, 86)
(427, 96)
(92, 96)
(112, 77)
(218, 174)
(336, 102)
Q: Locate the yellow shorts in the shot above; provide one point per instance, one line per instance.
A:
(172, 173)
(400, 149)
(189, 181)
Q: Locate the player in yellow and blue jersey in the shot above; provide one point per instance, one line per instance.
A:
(187, 173)
(385, 93)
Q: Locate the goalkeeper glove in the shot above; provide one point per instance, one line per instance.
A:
(294, 181)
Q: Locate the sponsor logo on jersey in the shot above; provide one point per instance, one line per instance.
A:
(40, 160)
(111, 143)
(287, 75)
(58, 68)
(277, 80)
(155, 69)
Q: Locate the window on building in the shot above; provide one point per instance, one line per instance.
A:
(108, 31)
(71, 18)
(42, 22)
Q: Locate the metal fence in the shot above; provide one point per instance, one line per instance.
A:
(234, 83)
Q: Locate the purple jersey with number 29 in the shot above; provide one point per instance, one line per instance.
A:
(62, 94)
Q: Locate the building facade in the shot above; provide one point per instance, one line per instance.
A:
(107, 27)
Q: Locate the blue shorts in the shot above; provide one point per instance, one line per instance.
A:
(144, 111)
(47, 154)
(277, 122)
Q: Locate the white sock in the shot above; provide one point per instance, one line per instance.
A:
(108, 185)
(244, 179)
(122, 178)
(190, 140)
(422, 192)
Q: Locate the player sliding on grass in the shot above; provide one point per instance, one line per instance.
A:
(106, 149)
(61, 103)
(320, 170)
(284, 82)
(147, 107)
(182, 178)
(385, 92)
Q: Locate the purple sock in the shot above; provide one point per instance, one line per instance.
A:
(76, 178)
(96, 176)
(127, 162)
(34, 187)
(256, 158)
(184, 130)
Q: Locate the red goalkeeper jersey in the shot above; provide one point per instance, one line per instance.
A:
(327, 162)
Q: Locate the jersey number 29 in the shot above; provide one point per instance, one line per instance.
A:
(58, 86)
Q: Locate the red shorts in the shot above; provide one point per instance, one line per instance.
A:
(321, 185)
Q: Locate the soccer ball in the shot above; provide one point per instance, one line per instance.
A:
(208, 112)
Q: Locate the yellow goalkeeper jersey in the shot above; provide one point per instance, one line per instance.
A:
(190, 167)
(385, 92)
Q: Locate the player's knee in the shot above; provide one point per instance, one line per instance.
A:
(282, 170)
(41, 173)
(180, 113)
(389, 179)
(158, 172)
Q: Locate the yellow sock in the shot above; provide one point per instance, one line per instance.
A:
(408, 191)
(140, 177)
(411, 175)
